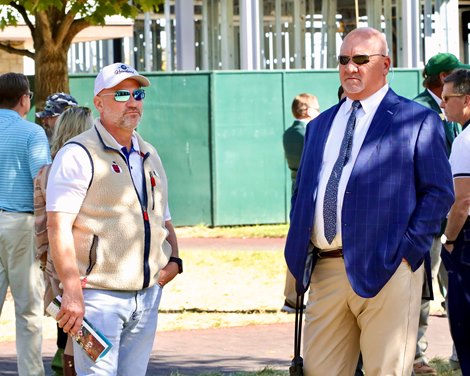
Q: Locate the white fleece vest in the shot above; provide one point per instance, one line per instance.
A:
(120, 244)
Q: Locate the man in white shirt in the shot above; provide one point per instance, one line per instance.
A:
(110, 231)
(456, 239)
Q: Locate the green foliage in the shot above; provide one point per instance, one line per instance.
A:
(93, 11)
(443, 367)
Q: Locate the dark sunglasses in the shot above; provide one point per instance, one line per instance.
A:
(357, 59)
(30, 94)
(125, 95)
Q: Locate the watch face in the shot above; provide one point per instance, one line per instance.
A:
(443, 239)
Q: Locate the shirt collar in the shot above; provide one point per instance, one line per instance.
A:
(370, 103)
(134, 145)
(435, 97)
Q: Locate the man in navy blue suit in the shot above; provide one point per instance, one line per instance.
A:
(373, 186)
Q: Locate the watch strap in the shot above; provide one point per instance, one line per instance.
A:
(177, 261)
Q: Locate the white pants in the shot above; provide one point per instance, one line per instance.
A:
(20, 271)
(129, 320)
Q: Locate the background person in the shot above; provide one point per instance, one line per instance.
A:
(110, 232)
(70, 123)
(456, 240)
(24, 149)
(436, 69)
(304, 108)
(55, 104)
(363, 214)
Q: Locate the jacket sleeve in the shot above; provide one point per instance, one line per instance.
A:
(434, 190)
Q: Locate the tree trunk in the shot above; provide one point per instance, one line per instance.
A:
(51, 73)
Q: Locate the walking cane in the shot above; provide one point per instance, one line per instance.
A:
(297, 365)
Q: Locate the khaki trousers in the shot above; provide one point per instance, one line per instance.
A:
(20, 271)
(289, 289)
(339, 323)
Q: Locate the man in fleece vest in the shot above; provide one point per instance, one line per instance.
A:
(110, 231)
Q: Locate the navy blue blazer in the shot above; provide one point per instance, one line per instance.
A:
(399, 191)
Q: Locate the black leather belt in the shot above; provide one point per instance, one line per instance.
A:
(335, 253)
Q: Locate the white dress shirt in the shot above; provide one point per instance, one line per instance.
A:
(364, 117)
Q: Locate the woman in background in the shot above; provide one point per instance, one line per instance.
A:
(70, 123)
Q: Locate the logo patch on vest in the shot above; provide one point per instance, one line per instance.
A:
(116, 168)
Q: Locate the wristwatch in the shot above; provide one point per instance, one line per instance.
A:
(444, 240)
(178, 262)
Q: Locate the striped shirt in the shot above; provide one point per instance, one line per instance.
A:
(24, 149)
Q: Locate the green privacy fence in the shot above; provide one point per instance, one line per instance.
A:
(219, 135)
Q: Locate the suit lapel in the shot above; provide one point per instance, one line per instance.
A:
(380, 124)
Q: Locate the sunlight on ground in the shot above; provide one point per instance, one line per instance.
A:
(218, 288)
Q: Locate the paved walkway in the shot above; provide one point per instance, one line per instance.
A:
(226, 350)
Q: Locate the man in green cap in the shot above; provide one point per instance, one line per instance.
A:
(436, 69)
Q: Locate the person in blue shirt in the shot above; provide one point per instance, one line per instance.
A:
(24, 149)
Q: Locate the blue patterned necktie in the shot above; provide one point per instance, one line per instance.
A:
(330, 201)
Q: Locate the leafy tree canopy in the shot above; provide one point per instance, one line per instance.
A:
(53, 25)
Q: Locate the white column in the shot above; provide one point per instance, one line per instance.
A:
(148, 43)
(411, 34)
(185, 49)
(278, 29)
(169, 49)
(249, 35)
(227, 35)
(450, 26)
(329, 58)
(205, 36)
(388, 25)
(299, 33)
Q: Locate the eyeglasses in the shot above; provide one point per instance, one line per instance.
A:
(30, 95)
(125, 95)
(357, 59)
(446, 97)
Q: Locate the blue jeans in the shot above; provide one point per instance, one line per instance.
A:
(129, 320)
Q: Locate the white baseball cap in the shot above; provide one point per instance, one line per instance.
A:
(113, 74)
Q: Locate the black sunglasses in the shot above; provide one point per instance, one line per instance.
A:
(357, 59)
(125, 95)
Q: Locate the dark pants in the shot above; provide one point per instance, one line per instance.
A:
(458, 267)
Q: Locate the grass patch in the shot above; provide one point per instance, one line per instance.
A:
(443, 367)
(255, 231)
(225, 288)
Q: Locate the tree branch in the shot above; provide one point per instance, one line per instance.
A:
(64, 27)
(76, 27)
(21, 10)
(12, 50)
(45, 29)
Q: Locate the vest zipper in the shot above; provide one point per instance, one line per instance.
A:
(145, 216)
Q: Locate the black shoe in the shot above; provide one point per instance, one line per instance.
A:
(289, 308)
